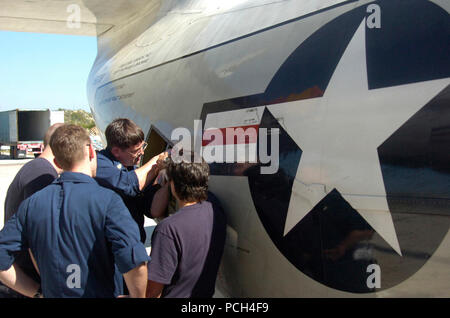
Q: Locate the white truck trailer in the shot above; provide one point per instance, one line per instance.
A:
(24, 130)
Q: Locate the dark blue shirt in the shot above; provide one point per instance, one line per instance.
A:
(186, 250)
(32, 177)
(75, 223)
(111, 174)
(123, 180)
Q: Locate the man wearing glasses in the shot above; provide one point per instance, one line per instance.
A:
(116, 169)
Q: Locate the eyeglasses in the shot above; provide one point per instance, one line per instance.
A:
(139, 151)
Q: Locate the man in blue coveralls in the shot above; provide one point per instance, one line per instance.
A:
(116, 170)
(80, 236)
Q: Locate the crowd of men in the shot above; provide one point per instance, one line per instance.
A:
(74, 221)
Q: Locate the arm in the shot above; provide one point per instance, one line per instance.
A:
(12, 240)
(163, 263)
(160, 202)
(136, 281)
(129, 253)
(129, 183)
(154, 289)
(148, 172)
(16, 279)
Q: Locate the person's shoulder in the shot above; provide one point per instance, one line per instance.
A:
(40, 162)
(105, 163)
(35, 167)
(29, 164)
(102, 156)
(88, 186)
(101, 152)
(94, 195)
(168, 221)
(99, 191)
(169, 226)
(43, 195)
(206, 206)
(189, 214)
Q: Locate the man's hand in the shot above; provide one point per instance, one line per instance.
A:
(148, 172)
(160, 202)
(160, 157)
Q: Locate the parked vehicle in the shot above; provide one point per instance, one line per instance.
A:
(24, 130)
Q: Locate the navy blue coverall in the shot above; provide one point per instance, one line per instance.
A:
(123, 180)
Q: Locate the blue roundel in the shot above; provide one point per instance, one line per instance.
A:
(411, 46)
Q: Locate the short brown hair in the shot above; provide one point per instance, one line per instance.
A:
(68, 144)
(123, 133)
(50, 132)
(190, 179)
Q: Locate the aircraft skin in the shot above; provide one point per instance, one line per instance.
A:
(359, 91)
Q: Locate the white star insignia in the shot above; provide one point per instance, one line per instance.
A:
(339, 134)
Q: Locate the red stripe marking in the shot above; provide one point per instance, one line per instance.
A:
(236, 135)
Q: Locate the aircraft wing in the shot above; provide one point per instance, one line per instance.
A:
(72, 17)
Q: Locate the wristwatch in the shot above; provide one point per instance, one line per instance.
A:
(38, 293)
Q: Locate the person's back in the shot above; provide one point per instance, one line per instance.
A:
(199, 233)
(72, 227)
(187, 246)
(32, 177)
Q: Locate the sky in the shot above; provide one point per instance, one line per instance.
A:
(40, 71)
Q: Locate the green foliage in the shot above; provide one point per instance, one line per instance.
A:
(79, 117)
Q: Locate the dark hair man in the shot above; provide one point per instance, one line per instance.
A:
(116, 169)
(80, 235)
(188, 245)
(32, 177)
